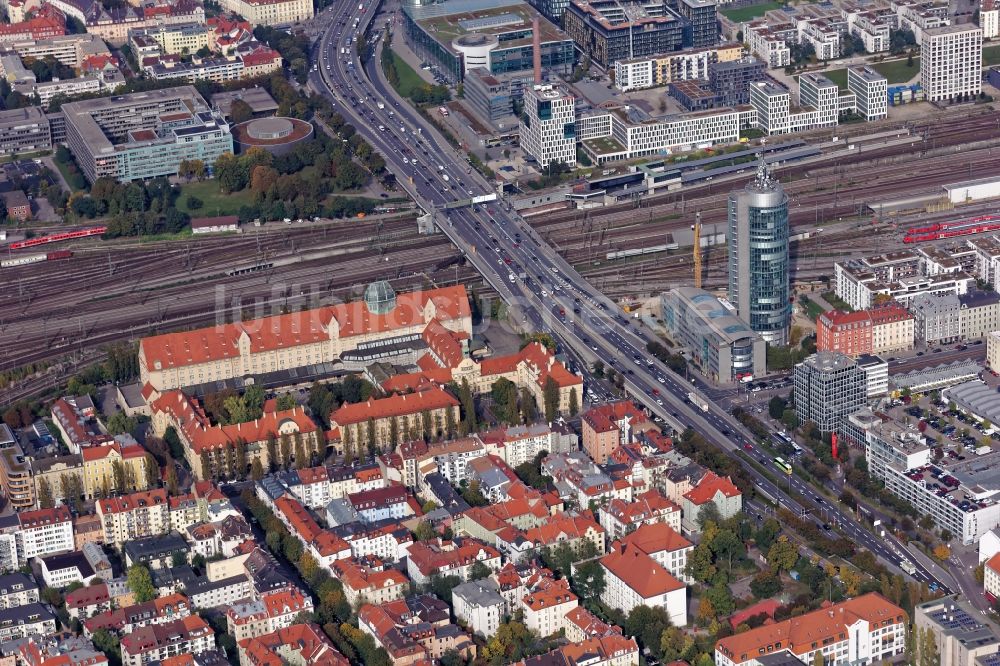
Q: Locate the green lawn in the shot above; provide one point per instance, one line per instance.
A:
(896, 71)
(744, 14)
(991, 56)
(409, 80)
(213, 202)
(813, 309)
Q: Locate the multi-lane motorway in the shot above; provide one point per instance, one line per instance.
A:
(543, 291)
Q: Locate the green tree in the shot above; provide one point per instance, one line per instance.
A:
(206, 465)
(424, 531)
(372, 440)
(574, 402)
(504, 396)
(256, 470)
(141, 583)
(588, 580)
(108, 643)
(171, 481)
(776, 407)
(478, 571)
(529, 410)
(118, 476)
(468, 409)
(121, 423)
(782, 555)
(765, 585)
(45, 499)
(550, 396)
(152, 470)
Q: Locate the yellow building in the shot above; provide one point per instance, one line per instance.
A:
(270, 12)
(57, 472)
(354, 421)
(197, 434)
(293, 340)
(100, 462)
(180, 38)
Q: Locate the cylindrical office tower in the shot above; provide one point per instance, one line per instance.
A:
(758, 256)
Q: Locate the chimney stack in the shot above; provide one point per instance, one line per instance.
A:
(536, 42)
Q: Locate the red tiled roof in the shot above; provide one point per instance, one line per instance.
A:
(764, 607)
(306, 640)
(432, 556)
(172, 350)
(140, 500)
(639, 571)
(656, 538)
(709, 486)
(87, 596)
(605, 417)
(42, 517)
(261, 56)
(200, 432)
(396, 405)
(819, 627)
(563, 526)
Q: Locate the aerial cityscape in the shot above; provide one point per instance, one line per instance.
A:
(499, 332)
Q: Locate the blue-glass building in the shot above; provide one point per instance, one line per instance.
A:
(758, 256)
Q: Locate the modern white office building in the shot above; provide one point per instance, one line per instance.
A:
(548, 128)
(871, 92)
(951, 62)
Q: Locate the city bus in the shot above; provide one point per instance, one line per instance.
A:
(782, 465)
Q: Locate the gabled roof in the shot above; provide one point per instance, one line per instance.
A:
(215, 343)
(819, 627)
(656, 538)
(639, 571)
(396, 405)
(710, 485)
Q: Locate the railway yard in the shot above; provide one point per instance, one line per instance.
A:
(135, 288)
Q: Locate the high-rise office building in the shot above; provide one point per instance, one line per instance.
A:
(758, 256)
(548, 129)
(829, 387)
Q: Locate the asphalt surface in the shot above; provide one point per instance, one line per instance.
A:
(552, 296)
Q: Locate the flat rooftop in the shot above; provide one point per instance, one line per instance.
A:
(449, 20)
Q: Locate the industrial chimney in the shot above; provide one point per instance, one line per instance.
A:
(536, 48)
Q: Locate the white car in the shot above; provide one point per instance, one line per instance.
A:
(544, 293)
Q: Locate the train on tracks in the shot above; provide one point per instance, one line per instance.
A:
(35, 258)
(55, 238)
(943, 230)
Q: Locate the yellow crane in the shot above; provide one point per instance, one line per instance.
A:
(697, 249)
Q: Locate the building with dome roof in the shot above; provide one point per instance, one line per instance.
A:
(382, 326)
(380, 297)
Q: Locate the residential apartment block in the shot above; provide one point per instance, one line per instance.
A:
(132, 516)
(24, 131)
(951, 62)
(156, 642)
(661, 69)
(548, 125)
(862, 630)
(270, 12)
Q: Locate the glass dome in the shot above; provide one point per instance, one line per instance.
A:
(380, 297)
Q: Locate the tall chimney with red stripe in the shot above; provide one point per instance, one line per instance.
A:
(536, 43)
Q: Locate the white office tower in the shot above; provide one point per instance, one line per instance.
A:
(548, 128)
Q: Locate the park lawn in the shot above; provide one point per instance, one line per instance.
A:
(991, 55)
(744, 14)
(813, 309)
(409, 80)
(896, 71)
(214, 202)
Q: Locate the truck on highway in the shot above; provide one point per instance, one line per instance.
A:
(908, 567)
(698, 401)
(381, 105)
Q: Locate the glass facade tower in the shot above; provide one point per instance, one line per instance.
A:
(758, 256)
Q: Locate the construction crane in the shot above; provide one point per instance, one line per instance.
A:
(697, 249)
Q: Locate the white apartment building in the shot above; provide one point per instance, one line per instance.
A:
(772, 103)
(545, 606)
(479, 605)
(635, 74)
(951, 62)
(767, 46)
(271, 12)
(548, 128)
(873, 33)
(989, 19)
(919, 18)
(824, 37)
(17, 589)
(632, 578)
(133, 516)
(859, 286)
(871, 92)
(685, 65)
(43, 532)
(991, 577)
(993, 351)
(862, 630)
